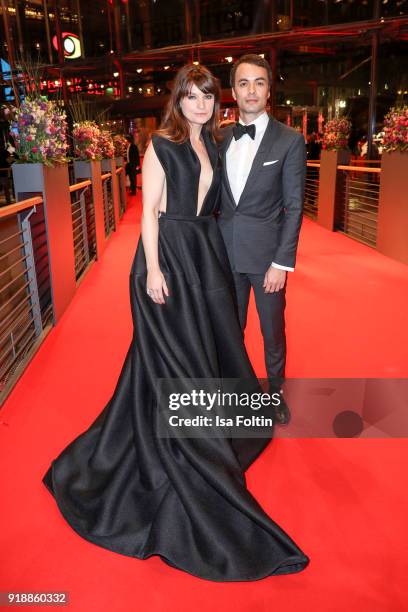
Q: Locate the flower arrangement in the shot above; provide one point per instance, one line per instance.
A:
(105, 144)
(336, 134)
(86, 135)
(395, 135)
(120, 143)
(39, 129)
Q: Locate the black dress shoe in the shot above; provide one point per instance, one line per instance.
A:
(281, 412)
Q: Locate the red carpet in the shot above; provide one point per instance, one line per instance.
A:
(343, 501)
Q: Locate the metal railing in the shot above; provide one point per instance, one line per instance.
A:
(26, 313)
(122, 191)
(312, 189)
(357, 215)
(83, 226)
(108, 210)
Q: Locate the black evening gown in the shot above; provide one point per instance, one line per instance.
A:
(126, 489)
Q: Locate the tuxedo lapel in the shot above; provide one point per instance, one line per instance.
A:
(260, 157)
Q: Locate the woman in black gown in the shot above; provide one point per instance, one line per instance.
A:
(121, 485)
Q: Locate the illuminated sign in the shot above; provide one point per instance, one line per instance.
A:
(71, 44)
(6, 73)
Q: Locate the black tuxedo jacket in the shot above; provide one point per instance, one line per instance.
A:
(264, 225)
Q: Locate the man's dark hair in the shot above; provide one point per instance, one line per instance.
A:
(255, 60)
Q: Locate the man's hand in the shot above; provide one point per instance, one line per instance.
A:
(274, 280)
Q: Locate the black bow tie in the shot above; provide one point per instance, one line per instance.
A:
(239, 130)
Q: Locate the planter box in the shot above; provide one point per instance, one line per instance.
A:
(28, 178)
(83, 169)
(52, 183)
(106, 165)
(330, 195)
(92, 170)
(109, 165)
(392, 229)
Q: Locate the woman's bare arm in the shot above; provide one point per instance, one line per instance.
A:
(153, 192)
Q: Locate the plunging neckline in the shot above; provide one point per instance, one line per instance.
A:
(212, 178)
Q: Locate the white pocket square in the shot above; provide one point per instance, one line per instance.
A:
(270, 162)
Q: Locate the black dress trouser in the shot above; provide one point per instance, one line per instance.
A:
(271, 312)
(132, 172)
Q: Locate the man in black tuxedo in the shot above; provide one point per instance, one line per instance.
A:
(133, 164)
(264, 167)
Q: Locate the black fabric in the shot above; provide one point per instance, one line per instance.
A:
(133, 154)
(4, 161)
(120, 485)
(132, 172)
(132, 167)
(239, 130)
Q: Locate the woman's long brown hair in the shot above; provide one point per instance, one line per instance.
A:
(174, 125)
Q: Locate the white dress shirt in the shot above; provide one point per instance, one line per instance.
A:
(239, 160)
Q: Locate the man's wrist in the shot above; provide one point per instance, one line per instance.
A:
(280, 267)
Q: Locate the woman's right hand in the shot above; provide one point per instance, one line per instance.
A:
(156, 286)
